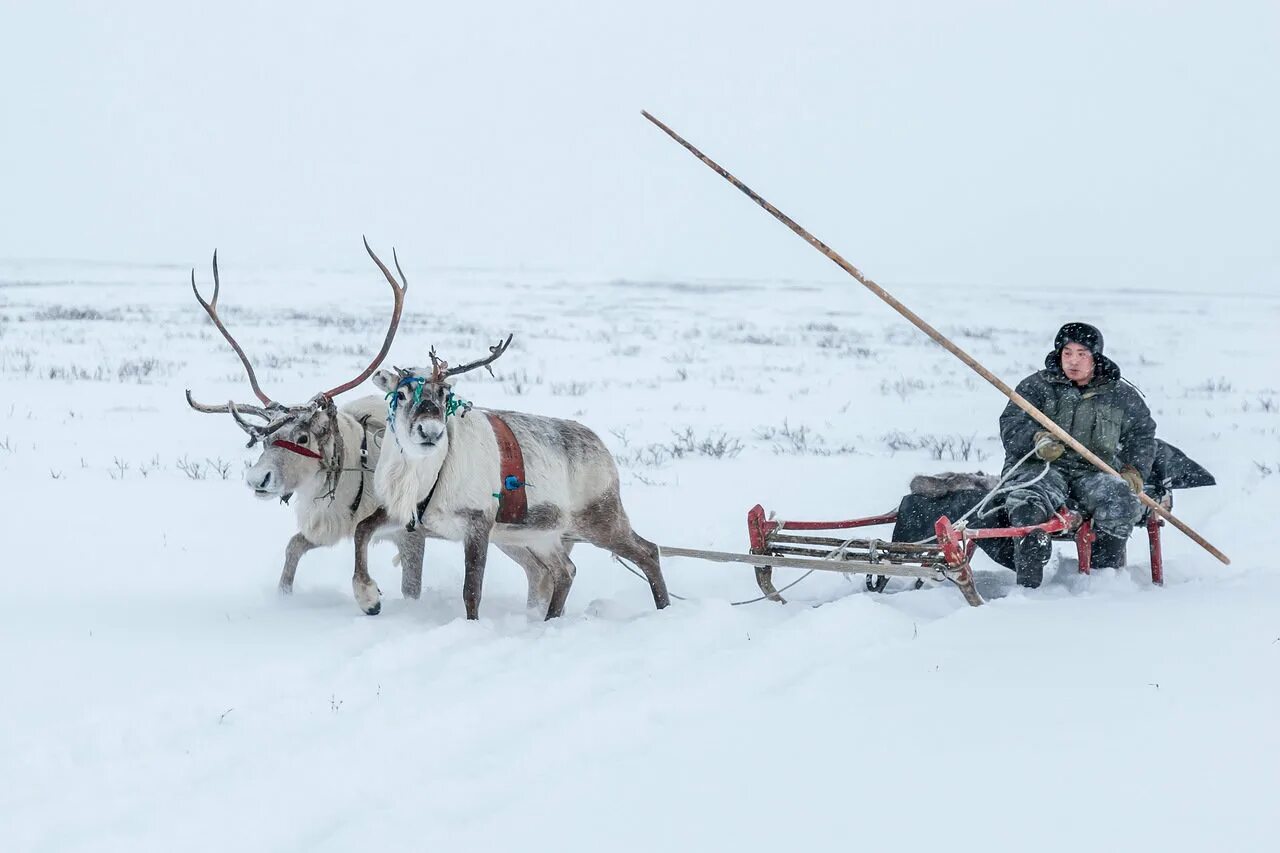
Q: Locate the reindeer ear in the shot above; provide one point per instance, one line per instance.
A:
(385, 380)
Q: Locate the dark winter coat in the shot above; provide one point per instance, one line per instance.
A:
(1107, 416)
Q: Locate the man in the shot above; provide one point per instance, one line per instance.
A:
(1081, 391)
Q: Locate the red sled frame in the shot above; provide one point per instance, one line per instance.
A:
(946, 559)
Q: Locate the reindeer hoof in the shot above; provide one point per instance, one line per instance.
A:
(285, 589)
(368, 597)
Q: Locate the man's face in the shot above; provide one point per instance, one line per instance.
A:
(1077, 363)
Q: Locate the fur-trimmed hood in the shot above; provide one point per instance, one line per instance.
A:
(1104, 369)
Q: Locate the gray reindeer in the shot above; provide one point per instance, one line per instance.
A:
(532, 485)
(320, 455)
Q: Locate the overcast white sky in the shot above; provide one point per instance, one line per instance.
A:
(1011, 143)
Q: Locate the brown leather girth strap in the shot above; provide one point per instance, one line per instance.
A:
(513, 505)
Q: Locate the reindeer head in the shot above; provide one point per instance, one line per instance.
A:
(420, 401)
(298, 442)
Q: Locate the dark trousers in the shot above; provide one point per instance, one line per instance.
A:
(1106, 499)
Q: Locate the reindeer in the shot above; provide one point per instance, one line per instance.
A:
(322, 455)
(532, 485)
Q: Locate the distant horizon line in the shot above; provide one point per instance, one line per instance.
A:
(657, 279)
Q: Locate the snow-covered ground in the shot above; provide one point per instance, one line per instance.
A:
(157, 694)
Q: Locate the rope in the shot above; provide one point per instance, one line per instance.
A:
(780, 592)
(999, 486)
(626, 565)
(998, 489)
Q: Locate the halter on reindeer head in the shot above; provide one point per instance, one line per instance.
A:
(420, 401)
(309, 431)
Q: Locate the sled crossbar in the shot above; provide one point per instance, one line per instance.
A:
(887, 518)
(847, 566)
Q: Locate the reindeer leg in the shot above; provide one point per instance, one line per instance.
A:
(546, 586)
(366, 591)
(411, 545)
(605, 524)
(644, 554)
(297, 546)
(536, 571)
(475, 552)
(563, 574)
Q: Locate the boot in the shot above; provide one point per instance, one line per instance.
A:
(1109, 551)
(1030, 554)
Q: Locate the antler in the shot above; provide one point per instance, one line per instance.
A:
(494, 352)
(259, 431)
(438, 366)
(226, 407)
(211, 308)
(398, 289)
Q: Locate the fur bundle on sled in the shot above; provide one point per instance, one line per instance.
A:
(949, 482)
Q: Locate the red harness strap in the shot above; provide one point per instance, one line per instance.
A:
(296, 448)
(512, 502)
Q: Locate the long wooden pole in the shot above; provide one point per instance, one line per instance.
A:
(1018, 400)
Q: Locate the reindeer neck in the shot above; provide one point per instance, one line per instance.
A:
(402, 481)
(312, 495)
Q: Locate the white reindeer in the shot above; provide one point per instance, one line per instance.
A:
(448, 467)
(322, 455)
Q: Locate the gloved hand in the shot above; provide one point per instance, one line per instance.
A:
(1048, 448)
(1131, 476)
